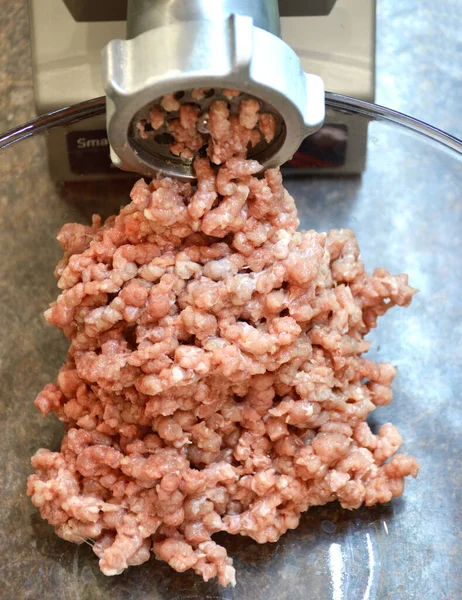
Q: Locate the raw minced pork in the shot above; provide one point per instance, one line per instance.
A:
(215, 379)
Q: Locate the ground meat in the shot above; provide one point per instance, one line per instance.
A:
(156, 117)
(215, 379)
(226, 130)
(267, 124)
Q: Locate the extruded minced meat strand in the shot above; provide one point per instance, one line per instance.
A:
(156, 117)
(267, 124)
(231, 135)
(216, 377)
(248, 113)
(170, 103)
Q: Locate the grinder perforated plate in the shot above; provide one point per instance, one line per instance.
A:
(156, 143)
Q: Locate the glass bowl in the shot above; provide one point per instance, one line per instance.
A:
(406, 209)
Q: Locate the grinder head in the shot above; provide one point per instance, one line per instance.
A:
(214, 55)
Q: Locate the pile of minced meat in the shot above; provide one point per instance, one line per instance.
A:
(215, 379)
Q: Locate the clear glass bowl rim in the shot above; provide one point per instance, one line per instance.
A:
(97, 106)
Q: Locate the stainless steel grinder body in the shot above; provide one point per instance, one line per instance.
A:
(178, 45)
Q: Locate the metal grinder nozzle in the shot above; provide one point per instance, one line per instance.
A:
(177, 46)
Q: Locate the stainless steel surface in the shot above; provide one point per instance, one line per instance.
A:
(143, 15)
(407, 213)
(220, 53)
(66, 58)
